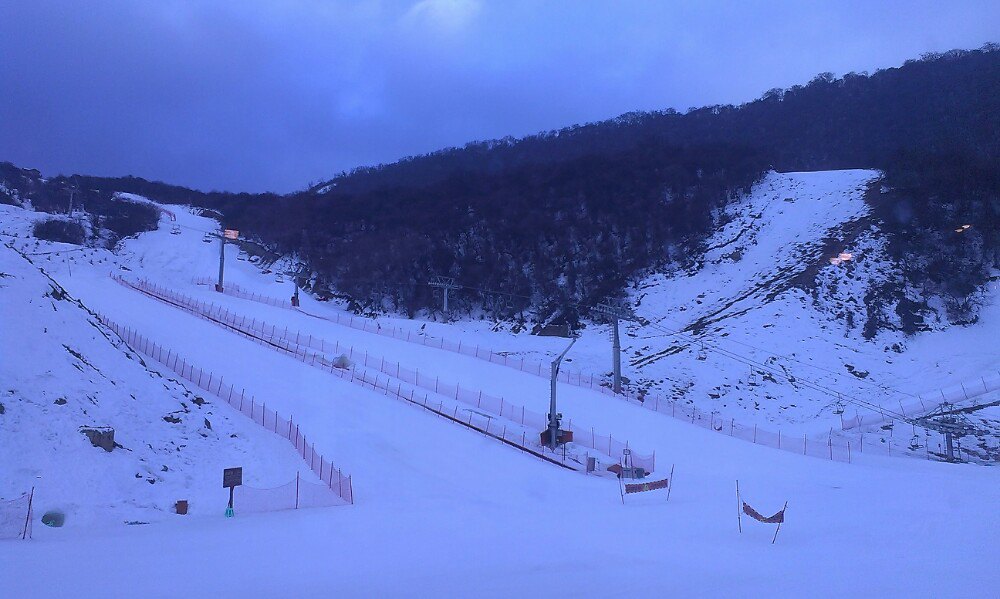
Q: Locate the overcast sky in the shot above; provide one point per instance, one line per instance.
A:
(252, 95)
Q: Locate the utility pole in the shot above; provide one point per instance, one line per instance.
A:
(299, 272)
(72, 192)
(222, 262)
(555, 417)
(616, 314)
(445, 283)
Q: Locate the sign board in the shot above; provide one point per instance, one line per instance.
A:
(232, 477)
(231, 234)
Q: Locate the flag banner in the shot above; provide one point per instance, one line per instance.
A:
(778, 518)
(650, 486)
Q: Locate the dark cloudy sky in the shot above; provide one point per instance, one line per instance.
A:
(252, 95)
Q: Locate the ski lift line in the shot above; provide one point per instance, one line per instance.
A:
(805, 382)
(748, 361)
(839, 396)
(883, 387)
(196, 229)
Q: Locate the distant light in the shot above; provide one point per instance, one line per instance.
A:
(959, 230)
(835, 261)
(966, 226)
(845, 256)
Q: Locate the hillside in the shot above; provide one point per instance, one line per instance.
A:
(445, 508)
(563, 219)
(61, 371)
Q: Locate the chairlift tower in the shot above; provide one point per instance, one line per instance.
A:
(945, 421)
(447, 284)
(226, 234)
(616, 314)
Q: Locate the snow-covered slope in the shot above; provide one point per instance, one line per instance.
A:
(443, 511)
(60, 371)
(786, 332)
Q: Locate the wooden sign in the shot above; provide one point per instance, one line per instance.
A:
(232, 477)
(231, 234)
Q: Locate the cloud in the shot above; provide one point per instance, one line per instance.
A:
(449, 16)
(258, 95)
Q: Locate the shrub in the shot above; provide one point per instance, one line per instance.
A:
(130, 218)
(59, 230)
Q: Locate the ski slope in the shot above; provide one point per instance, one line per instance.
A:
(441, 510)
(61, 371)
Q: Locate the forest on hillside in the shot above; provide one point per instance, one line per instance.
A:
(543, 225)
(569, 217)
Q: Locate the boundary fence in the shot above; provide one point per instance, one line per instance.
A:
(259, 413)
(15, 517)
(283, 340)
(826, 447)
(236, 291)
(293, 495)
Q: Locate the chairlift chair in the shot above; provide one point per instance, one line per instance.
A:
(702, 354)
(752, 379)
